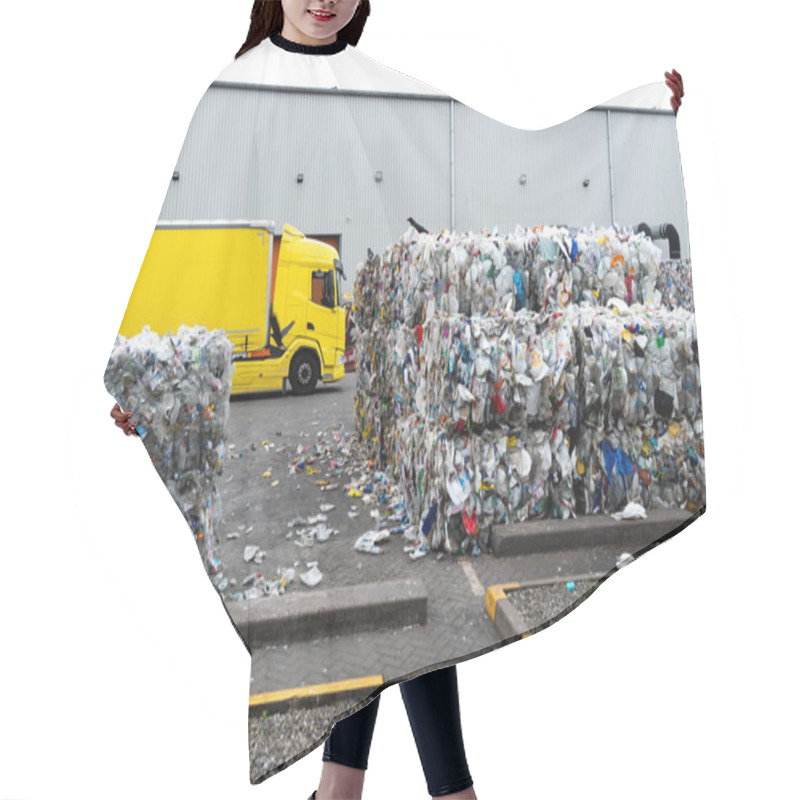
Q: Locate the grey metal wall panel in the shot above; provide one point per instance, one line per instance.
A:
(490, 157)
(245, 148)
(647, 173)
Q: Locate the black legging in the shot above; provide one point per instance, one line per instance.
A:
(433, 711)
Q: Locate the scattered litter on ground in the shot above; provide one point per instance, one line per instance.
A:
(368, 542)
(624, 559)
(313, 576)
(631, 511)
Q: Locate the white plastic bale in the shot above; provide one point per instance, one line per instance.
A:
(567, 387)
(539, 269)
(178, 388)
(623, 413)
(674, 283)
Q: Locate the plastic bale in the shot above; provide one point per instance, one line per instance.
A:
(178, 388)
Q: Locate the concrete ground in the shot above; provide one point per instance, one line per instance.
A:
(258, 514)
(374, 646)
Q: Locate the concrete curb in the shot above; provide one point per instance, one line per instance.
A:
(524, 538)
(319, 694)
(502, 613)
(349, 609)
(506, 618)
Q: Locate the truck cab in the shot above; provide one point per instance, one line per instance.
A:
(309, 306)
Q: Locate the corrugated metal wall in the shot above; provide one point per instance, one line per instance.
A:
(246, 146)
(245, 149)
(647, 172)
(555, 162)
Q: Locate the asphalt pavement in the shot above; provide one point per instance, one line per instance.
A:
(372, 619)
(262, 494)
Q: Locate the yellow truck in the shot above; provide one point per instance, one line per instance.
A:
(285, 323)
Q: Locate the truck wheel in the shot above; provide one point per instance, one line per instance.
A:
(303, 373)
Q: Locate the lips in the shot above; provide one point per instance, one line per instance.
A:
(322, 16)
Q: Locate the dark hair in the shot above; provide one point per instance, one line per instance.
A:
(266, 18)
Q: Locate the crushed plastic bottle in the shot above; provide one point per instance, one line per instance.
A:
(367, 542)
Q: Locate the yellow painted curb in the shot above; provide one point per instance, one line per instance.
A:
(316, 690)
(495, 593)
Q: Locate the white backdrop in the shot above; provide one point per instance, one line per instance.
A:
(121, 674)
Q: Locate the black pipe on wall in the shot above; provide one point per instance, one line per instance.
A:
(665, 230)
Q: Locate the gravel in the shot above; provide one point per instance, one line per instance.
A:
(280, 739)
(538, 605)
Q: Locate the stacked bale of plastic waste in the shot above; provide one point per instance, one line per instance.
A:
(541, 269)
(640, 433)
(674, 284)
(178, 388)
(495, 414)
(478, 437)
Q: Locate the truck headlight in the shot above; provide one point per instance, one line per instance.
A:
(340, 360)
